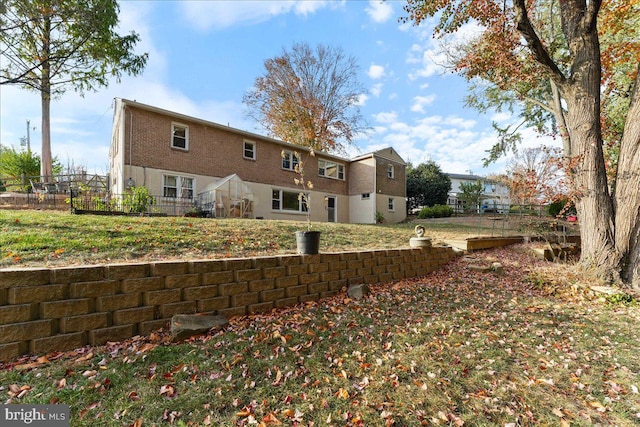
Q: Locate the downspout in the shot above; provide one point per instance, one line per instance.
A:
(375, 187)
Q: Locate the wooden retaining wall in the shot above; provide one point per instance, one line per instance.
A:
(56, 309)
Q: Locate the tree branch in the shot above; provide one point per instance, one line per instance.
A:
(524, 26)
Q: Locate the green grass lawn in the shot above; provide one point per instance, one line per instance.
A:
(457, 347)
(39, 238)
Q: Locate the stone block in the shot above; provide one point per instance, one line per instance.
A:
(287, 281)
(261, 285)
(25, 331)
(133, 315)
(33, 294)
(244, 299)
(217, 278)
(272, 295)
(84, 322)
(24, 277)
(60, 342)
(296, 291)
(77, 274)
(200, 292)
(182, 281)
(18, 313)
(117, 302)
(163, 296)
(213, 304)
(142, 284)
(248, 275)
(110, 334)
(127, 271)
(205, 266)
(59, 309)
(274, 272)
(229, 289)
(93, 289)
(306, 279)
(286, 302)
(9, 351)
(168, 268)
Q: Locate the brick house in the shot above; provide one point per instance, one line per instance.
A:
(182, 158)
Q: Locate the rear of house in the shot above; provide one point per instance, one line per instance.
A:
(231, 172)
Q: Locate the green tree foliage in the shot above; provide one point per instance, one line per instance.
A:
(427, 185)
(309, 97)
(471, 195)
(19, 165)
(50, 46)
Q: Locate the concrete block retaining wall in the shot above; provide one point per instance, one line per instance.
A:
(57, 309)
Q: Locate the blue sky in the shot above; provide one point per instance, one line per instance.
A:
(204, 55)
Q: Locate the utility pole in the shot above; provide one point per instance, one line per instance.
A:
(27, 140)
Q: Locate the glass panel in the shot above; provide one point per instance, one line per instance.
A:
(179, 136)
(275, 199)
(290, 201)
(331, 170)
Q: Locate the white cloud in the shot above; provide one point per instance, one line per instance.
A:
(376, 71)
(386, 118)
(204, 15)
(362, 100)
(419, 102)
(380, 11)
(376, 89)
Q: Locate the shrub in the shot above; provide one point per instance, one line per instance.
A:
(436, 211)
(138, 200)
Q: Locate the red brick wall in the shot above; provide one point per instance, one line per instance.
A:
(214, 152)
(44, 310)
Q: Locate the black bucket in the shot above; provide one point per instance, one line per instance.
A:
(308, 242)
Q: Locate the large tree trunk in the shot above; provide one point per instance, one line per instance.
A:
(582, 95)
(627, 194)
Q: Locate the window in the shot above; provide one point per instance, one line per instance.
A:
(289, 160)
(366, 196)
(249, 150)
(390, 171)
(180, 136)
(391, 204)
(330, 169)
(287, 201)
(177, 187)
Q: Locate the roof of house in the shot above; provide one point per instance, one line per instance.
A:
(466, 176)
(245, 133)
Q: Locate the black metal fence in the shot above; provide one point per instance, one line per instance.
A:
(85, 202)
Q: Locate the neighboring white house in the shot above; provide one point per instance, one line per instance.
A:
(495, 195)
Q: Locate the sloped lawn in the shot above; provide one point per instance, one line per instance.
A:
(39, 238)
(458, 347)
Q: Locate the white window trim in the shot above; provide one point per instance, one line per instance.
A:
(391, 204)
(339, 167)
(280, 199)
(179, 188)
(244, 150)
(291, 155)
(391, 171)
(366, 196)
(186, 136)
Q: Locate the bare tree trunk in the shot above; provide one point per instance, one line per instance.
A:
(593, 200)
(627, 194)
(45, 96)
